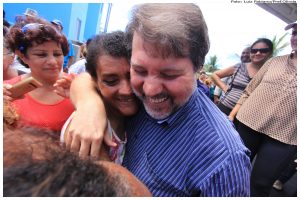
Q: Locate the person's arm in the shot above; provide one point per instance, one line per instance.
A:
(216, 99)
(218, 75)
(89, 123)
(233, 112)
(217, 94)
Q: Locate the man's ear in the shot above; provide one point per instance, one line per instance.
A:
(21, 56)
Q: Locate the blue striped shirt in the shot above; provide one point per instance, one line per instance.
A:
(195, 152)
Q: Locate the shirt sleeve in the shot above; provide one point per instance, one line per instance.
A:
(256, 80)
(230, 179)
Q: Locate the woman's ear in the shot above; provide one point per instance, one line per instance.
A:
(21, 56)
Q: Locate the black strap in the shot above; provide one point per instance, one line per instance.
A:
(231, 82)
(233, 77)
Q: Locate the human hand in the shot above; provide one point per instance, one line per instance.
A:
(7, 94)
(63, 84)
(225, 88)
(216, 99)
(87, 132)
(230, 117)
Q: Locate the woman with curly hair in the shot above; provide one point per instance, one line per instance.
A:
(41, 48)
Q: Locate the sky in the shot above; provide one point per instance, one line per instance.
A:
(231, 26)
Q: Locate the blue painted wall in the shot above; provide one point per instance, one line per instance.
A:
(68, 13)
(49, 11)
(79, 12)
(92, 20)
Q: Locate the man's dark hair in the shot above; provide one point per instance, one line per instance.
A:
(177, 30)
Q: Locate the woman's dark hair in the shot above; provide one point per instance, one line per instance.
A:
(25, 33)
(268, 42)
(113, 44)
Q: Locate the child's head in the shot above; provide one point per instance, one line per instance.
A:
(108, 63)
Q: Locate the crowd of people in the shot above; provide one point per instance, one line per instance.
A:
(141, 117)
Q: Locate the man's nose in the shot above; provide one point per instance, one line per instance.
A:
(152, 86)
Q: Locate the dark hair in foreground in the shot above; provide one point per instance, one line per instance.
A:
(113, 44)
(64, 175)
(35, 164)
(177, 30)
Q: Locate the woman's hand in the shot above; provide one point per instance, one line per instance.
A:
(231, 118)
(7, 94)
(225, 88)
(87, 131)
(62, 85)
(234, 111)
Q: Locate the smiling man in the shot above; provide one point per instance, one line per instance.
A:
(179, 143)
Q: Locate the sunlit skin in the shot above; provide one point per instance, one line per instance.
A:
(114, 84)
(259, 58)
(45, 61)
(163, 85)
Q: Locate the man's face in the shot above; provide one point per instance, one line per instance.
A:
(163, 85)
(58, 27)
(203, 76)
(245, 57)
